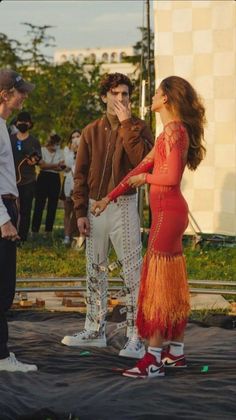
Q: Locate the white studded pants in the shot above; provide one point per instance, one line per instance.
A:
(119, 225)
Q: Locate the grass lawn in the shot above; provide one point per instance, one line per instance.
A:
(50, 258)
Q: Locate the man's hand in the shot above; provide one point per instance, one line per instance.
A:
(8, 231)
(123, 112)
(32, 161)
(99, 206)
(137, 180)
(83, 226)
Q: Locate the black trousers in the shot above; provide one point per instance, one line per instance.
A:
(7, 278)
(48, 187)
(26, 195)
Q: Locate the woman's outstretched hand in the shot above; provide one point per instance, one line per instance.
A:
(99, 206)
(137, 180)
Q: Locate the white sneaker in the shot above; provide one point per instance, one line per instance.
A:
(134, 348)
(11, 364)
(85, 338)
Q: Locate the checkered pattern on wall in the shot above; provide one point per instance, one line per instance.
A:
(197, 40)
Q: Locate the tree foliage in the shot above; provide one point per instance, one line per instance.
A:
(66, 95)
(140, 60)
(10, 50)
(66, 98)
(38, 37)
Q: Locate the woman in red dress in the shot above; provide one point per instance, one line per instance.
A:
(163, 303)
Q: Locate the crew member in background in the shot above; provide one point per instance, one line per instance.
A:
(48, 185)
(27, 153)
(13, 91)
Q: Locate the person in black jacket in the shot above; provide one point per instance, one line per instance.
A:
(27, 153)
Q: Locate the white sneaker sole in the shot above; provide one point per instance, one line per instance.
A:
(129, 375)
(22, 370)
(70, 342)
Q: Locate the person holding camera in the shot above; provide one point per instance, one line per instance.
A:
(27, 153)
(48, 184)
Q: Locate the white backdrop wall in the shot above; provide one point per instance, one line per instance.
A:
(197, 40)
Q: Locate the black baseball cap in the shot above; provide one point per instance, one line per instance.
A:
(11, 79)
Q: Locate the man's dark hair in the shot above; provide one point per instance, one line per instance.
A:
(24, 116)
(53, 139)
(112, 80)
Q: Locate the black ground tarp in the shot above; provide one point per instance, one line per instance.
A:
(69, 385)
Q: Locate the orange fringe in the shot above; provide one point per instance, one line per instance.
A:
(163, 303)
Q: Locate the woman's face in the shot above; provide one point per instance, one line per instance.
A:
(158, 100)
(75, 138)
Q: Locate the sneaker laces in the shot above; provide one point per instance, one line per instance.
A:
(80, 333)
(87, 334)
(133, 341)
(13, 360)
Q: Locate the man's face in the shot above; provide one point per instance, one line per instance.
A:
(120, 94)
(15, 100)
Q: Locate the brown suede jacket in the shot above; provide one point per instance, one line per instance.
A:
(105, 155)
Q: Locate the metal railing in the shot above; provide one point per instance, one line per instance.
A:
(114, 284)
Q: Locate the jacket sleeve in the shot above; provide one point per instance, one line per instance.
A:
(137, 139)
(4, 216)
(175, 147)
(80, 192)
(145, 166)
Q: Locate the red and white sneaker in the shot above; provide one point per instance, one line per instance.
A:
(147, 367)
(170, 361)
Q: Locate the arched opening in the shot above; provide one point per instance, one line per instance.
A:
(92, 58)
(114, 57)
(105, 57)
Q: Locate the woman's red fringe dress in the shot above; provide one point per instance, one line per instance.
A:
(163, 302)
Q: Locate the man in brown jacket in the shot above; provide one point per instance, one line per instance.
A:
(109, 148)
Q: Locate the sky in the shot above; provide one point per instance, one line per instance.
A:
(77, 24)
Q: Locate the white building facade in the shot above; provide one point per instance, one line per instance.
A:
(112, 58)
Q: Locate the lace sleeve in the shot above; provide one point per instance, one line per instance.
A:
(145, 166)
(175, 151)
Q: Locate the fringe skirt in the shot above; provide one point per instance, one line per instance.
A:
(163, 302)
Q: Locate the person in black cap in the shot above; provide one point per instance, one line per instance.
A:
(13, 91)
(27, 153)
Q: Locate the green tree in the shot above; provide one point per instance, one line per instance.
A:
(38, 38)
(66, 95)
(140, 61)
(10, 52)
(65, 98)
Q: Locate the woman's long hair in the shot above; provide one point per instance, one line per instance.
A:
(184, 100)
(71, 134)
